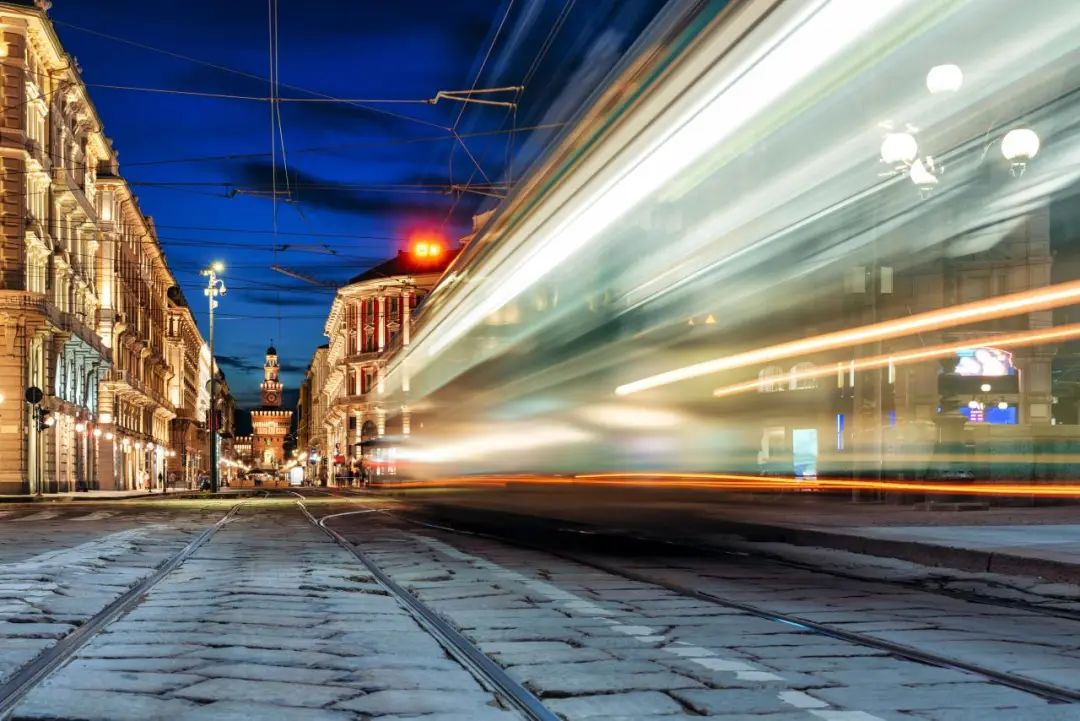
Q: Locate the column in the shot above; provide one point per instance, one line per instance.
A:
(406, 317)
(380, 323)
(355, 333)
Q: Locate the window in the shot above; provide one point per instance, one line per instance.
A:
(798, 379)
(771, 379)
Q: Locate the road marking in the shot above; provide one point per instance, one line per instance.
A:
(688, 651)
(635, 630)
(41, 516)
(798, 699)
(95, 516)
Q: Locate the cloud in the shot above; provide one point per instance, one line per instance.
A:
(293, 367)
(244, 365)
(315, 191)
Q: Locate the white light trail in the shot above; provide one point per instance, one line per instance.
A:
(733, 99)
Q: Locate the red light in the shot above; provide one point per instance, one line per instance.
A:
(426, 247)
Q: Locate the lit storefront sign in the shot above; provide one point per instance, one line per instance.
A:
(984, 362)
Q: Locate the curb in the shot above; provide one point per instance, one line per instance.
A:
(110, 499)
(927, 554)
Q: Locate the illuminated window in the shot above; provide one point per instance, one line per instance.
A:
(798, 380)
(771, 379)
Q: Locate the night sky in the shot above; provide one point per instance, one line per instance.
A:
(362, 179)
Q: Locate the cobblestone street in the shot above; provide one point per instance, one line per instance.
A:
(272, 619)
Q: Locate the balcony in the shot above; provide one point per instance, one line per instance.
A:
(122, 381)
(26, 302)
(353, 400)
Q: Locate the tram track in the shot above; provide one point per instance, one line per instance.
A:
(484, 669)
(1047, 691)
(618, 536)
(16, 687)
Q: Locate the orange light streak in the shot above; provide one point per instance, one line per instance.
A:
(1014, 340)
(1003, 306)
(1066, 490)
(737, 482)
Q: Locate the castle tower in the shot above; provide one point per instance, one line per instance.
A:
(270, 422)
(271, 385)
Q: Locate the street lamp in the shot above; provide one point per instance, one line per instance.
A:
(1019, 146)
(214, 287)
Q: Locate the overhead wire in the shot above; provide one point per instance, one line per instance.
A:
(534, 66)
(242, 73)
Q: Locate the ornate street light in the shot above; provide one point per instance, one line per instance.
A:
(1019, 146)
(214, 287)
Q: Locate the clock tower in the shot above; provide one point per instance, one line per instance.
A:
(271, 386)
(270, 422)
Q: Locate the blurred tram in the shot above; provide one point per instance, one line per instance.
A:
(796, 239)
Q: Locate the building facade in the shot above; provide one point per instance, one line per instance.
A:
(88, 386)
(370, 318)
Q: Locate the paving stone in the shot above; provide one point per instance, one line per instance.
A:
(732, 701)
(82, 705)
(271, 657)
(1056, 712)
(263, 672)
(35, 630)
(94, 665)
(636, 704)
(233, 711)
(418, 702)
(909, 674)
(134, 681)
(407, 679)
(940, 696)
(487, 714)
(136, 650)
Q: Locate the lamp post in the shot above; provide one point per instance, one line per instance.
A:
(214, 287)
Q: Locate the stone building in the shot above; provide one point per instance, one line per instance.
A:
(83, 286)
(311, 413)
(370, 318)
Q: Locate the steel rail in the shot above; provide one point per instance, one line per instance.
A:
(15, 688)
(464, 651)
(779, 560)
(1051, 692)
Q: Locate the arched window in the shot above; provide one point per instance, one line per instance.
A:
(799, 381)
(771, 379)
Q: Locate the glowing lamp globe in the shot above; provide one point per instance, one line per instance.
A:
(985, 387)
(1020, 144)
(899, 148)
(1003, 406)
(80, 427)
(973, 405)
(944, 79)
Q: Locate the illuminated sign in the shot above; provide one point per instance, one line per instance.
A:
(984, 362)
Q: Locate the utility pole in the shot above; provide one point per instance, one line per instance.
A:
(214, 287)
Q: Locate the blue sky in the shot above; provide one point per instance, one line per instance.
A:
(361, 178)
